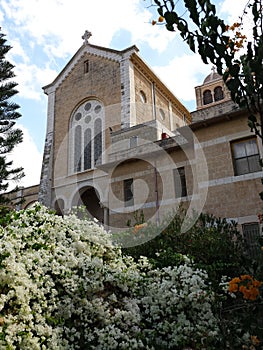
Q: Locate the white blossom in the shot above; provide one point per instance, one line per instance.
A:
(65, 285)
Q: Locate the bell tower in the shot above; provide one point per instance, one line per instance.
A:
(213, 91)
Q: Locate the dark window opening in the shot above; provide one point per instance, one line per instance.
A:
(207, 97)
(86, 66)
(251, 235)
(128, 192)
(59, 207)
(218, 93)
(180, 183)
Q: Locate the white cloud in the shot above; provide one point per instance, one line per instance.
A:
(182, 74)
(26, 155)
(31, 79)
(233, 9)
(18, 50)
(55, 27)
(63, 23)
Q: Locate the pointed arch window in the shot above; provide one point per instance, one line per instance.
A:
(87, 137)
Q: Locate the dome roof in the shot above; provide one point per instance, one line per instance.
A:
(212, 76)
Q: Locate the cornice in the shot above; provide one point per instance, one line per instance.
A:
(159, 85)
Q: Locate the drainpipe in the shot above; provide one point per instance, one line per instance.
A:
(156, 195)
(154, 101)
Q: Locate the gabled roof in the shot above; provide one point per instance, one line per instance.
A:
(117, 56)
(99, 51)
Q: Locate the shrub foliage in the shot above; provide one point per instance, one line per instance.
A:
(64, 285)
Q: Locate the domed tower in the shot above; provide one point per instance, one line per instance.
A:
(213, 91)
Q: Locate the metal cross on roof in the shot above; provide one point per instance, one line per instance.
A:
(86, 36)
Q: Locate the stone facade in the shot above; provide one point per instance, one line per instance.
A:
(154, 155)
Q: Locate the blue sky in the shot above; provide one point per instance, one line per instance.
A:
(45, 34)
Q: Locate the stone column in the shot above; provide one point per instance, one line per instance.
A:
(44, 196)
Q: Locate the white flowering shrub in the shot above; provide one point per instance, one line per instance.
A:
(176, 309)
(64, 285)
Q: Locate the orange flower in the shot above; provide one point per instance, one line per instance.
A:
(139, 227)
(255, 340)
(235, 280)
(245, 277)
(153, 22)
(246, 285)
(257, 283)
(233, 287)
(160, 19)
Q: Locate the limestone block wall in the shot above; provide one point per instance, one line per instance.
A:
(228, 195)
(154, 186)
(79, 86)
(28, 194)
(143, 88)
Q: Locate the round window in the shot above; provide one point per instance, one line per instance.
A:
(97, 109)
(78, 116)
(87, 106)
(87, 119)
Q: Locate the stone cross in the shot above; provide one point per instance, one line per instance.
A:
(86, 36)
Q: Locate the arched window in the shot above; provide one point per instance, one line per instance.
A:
(162, 114)
(207, 97)
(87, 138)
(97, 141)
(143, 97)
(218, 93)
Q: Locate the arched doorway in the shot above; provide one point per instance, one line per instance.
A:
(59, 207)
(89, 197)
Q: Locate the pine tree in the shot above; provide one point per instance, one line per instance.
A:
(9, 135)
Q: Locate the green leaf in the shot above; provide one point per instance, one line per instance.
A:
(234, 70)
(220, 49)
(170, 27)
(252, 118)
(192, 7)
(209, 52)
(211, 8)
(190, 41)
(160, 11)
(233, 85)
(171, 18)
(255, 12)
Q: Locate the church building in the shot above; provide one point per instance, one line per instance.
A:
(119, 142)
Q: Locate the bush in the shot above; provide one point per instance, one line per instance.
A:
(216, 246)
(64, 285)
(213, 244)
